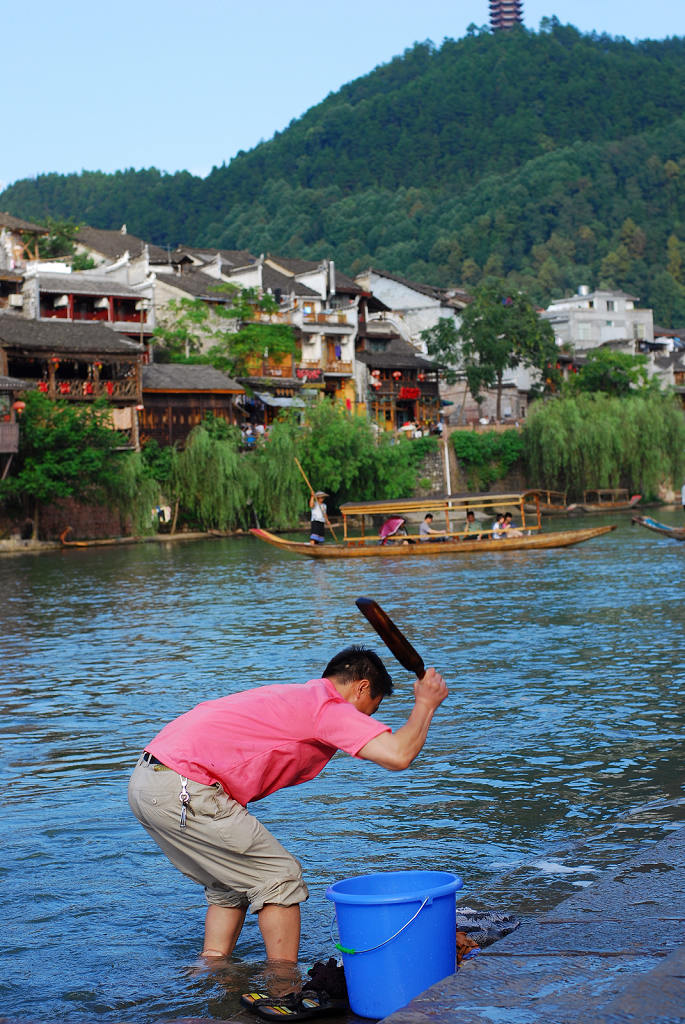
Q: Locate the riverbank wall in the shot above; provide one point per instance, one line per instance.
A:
(612, 954)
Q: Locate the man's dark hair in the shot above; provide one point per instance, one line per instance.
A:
(470, 512)
(360, 663)
(428, 515)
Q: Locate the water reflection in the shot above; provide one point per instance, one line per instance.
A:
(558, 751)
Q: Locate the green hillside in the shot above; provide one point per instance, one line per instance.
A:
(552, 158)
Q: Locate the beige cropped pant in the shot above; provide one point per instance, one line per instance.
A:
(223, 847)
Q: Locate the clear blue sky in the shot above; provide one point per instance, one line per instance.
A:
(185, 84)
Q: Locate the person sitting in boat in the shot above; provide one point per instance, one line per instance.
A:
(426, 531)
(470, 526)
(317, 525)
(498, 531)
(508, 528)
(393, 530)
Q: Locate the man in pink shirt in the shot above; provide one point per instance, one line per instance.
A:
(191, 787)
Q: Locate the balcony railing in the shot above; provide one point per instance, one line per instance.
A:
(337, 366)
(89, 390)
(315, 368)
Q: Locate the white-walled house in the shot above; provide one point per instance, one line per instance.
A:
(590, 319)
(413, 307)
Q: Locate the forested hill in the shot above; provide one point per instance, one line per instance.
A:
(553, 158)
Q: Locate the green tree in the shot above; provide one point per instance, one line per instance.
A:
(232, 332)
(444, 345)
(614, 373)
(60, 240)
(66, 450)
(501, 330)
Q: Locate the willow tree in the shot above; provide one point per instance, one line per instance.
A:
(279, 494)
(211, 479)
(596, 440)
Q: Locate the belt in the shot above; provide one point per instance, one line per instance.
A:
(149, 758)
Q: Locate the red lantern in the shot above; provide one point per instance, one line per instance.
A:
(397, 374)
(139, 408)
(19, 407)
(375, 373)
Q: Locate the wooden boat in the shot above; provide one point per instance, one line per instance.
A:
(449, 515)
(676, 532)
(607, 499)
(550, 503)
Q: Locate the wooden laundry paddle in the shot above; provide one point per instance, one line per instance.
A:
(391, 636)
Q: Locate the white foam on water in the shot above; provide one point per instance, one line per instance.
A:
(553, 867)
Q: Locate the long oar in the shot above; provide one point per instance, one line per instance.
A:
(391, 636)
(311, 491)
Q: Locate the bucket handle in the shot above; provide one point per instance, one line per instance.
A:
(344, 949)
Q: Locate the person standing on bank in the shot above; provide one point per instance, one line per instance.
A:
(191, 786)
(317, 524)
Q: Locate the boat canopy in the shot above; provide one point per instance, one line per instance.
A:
(449, 509)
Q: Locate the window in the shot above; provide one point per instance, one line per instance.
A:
(610, 306)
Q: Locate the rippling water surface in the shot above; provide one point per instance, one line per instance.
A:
(559, 749)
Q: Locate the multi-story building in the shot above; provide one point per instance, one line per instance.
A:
(590, 319)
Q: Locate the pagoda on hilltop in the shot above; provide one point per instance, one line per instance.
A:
(505, 13)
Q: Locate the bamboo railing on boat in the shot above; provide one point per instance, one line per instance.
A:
(449, 509)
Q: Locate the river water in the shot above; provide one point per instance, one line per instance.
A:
(558, 751)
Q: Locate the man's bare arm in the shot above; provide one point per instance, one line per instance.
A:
(397, 750)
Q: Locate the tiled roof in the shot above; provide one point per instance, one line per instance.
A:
(345, 284)
(81, 284)
(295, 266)
(58, 336)
(13, 384)
(113, 244)
(197, 284)
(273, 279)
(187, 377)
(398, 354)
(233, 257)
(15, 224)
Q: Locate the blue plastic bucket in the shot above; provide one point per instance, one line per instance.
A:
(397, 935)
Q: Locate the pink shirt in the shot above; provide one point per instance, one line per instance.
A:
(261, 740)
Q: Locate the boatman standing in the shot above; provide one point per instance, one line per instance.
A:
(193, 783)
(317, 525)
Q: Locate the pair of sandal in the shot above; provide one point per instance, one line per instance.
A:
(294, 1006)
(324, 995)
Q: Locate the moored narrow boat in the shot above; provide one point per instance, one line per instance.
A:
(676, 532)
(609, 499)
(550, 503)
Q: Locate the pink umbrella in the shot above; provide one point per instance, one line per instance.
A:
(390, 526)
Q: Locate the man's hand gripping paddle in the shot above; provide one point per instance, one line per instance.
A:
(391, 636)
